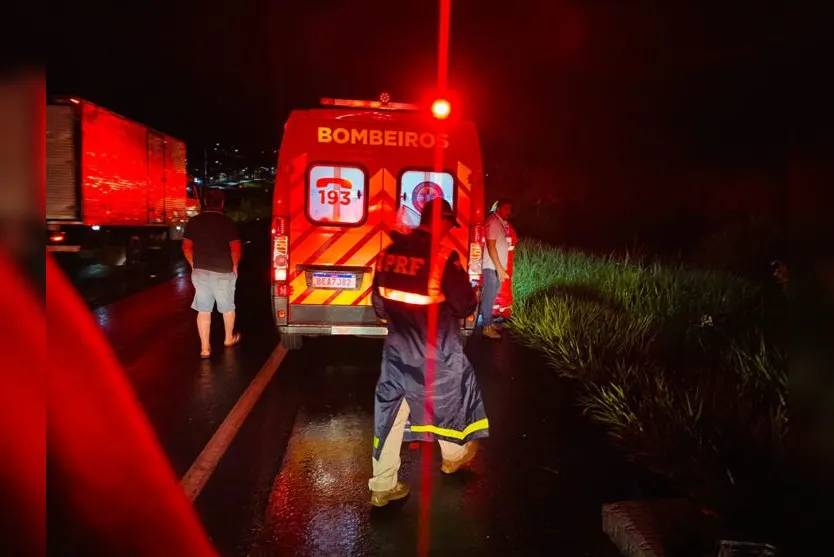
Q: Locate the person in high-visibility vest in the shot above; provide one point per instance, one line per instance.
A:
(427, 389)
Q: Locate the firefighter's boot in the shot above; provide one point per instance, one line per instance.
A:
(382, 498)
(452, 466)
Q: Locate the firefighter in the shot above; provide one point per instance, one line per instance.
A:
(427, 388)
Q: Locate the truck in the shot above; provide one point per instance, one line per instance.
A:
(111, 180)
(350, 173)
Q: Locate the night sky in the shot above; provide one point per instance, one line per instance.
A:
(626, 88)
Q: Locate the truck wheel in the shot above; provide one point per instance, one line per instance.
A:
(292, 341)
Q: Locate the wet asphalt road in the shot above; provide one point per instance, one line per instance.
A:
(294, 481)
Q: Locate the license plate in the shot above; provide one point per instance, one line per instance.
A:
(334, 281)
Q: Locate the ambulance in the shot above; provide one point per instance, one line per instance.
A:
(349, 173)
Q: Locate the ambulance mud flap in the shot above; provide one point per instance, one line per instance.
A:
(292, 341)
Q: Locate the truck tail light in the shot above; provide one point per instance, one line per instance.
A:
(280, 249)
(476, 251)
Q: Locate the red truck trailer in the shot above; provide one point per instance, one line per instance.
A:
(109, 176)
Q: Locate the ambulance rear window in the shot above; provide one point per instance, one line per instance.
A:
(337, 194)
(416, 187)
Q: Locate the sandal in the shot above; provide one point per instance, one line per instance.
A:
(235, 341)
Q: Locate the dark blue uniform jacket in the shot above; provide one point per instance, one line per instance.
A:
(407, 284)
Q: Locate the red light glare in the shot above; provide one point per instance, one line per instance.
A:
(441, 109)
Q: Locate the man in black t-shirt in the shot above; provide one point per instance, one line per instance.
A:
(212, 247)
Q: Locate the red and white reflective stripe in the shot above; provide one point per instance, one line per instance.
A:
(410, 298)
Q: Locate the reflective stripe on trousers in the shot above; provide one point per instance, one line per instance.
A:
(386, 468)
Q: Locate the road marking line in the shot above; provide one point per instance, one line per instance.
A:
(197, 476)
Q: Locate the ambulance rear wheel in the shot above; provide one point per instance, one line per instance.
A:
(292, 341)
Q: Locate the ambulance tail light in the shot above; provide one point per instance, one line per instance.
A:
(280, 250)
(476, 254)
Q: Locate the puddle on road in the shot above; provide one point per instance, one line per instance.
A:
(319, 500)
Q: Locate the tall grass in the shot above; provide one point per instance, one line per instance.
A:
(682, 367)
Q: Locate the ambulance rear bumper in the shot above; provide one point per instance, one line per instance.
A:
(348, 330)
(317, 320)
(328, 330)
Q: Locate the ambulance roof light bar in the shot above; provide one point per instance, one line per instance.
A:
(384, 103)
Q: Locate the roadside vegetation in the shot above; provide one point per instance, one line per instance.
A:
(685, 369)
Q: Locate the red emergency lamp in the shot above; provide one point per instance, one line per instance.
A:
(441, 109)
